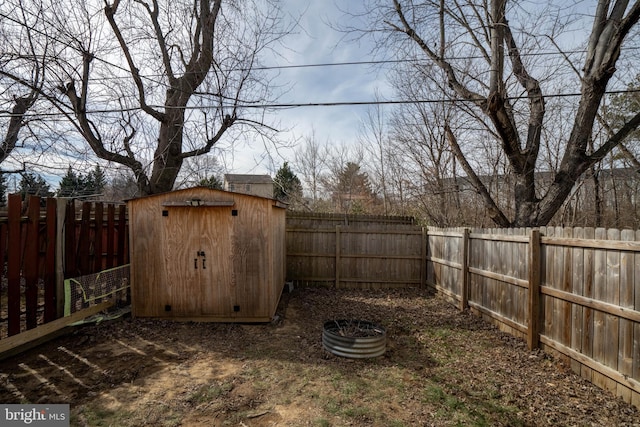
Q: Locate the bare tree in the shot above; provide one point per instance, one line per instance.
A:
(375, 142)
(21, 73)
(151, 83)
(482, 57)
(311, 161)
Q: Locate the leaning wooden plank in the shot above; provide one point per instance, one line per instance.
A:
(25, 338)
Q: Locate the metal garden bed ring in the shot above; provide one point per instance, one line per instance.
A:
(356, 339)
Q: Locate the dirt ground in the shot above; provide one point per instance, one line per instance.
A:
(442, 367)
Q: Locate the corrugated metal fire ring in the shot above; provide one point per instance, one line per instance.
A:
(356, 339)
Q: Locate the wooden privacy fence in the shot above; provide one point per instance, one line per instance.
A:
(574, 292)
(43, 242)
(354, 251)
(571, 291)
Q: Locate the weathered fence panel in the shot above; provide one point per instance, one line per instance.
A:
(354, 251)
(29, 233)
(574, 291)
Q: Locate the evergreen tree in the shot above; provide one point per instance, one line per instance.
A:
(94, 182)
(79, 185)
(211, 182)
(70, 185)
(32, 184)
(353, 192)
(287, 186)
(3, 190)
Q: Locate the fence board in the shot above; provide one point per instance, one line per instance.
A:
(549, 320)
(566, 285)
(13, 264)
(588, 313)
(50, 312)
(3, 255)
(84, 241)
(577, 287)
(625, 349)
(599, 331)
(612, 322)
(97, 264)
(30, 263)
(635, 398)
(111, 227)
(70, 240)
(122, 257)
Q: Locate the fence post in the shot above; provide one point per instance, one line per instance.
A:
(533, 329)
(464, 288)
(337, 256)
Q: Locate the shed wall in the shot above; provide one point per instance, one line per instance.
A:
(206, 262)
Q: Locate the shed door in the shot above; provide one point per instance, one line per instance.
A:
(217, 294)
(197, 262)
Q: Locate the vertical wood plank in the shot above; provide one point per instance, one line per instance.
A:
(61, 243)
(13, 264)
(31, 262)
(423, 260)
(565, 285)
(464, 273)
(588, 313)
(3, 259)
(84, 240)
(111, 231)
(625, 349)
(338, 244)
(122, 235)
(599, 291)
(612, 295)
(547, 301)
(533, 327)
(97, 262)
(511, 260)
(70, 261)
(50, 262)
(635, 364)
(577, 287)
(523, 273)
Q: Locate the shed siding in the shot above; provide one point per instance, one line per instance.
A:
(203, 262)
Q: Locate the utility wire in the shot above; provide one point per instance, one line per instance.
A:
(316, 104)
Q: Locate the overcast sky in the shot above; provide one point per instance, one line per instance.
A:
(314, 43)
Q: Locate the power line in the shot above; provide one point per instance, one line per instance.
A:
(291, 105)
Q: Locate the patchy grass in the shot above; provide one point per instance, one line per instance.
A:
(441, 367)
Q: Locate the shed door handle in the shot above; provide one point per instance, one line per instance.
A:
(204, 267)
(195, 263)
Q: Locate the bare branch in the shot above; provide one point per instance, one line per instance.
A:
(110, 11)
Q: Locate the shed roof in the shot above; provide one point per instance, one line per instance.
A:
(248, 179)
(212, 191)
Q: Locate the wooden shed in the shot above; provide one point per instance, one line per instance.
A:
(210, 255)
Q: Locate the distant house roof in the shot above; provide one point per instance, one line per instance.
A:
(248, 179)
